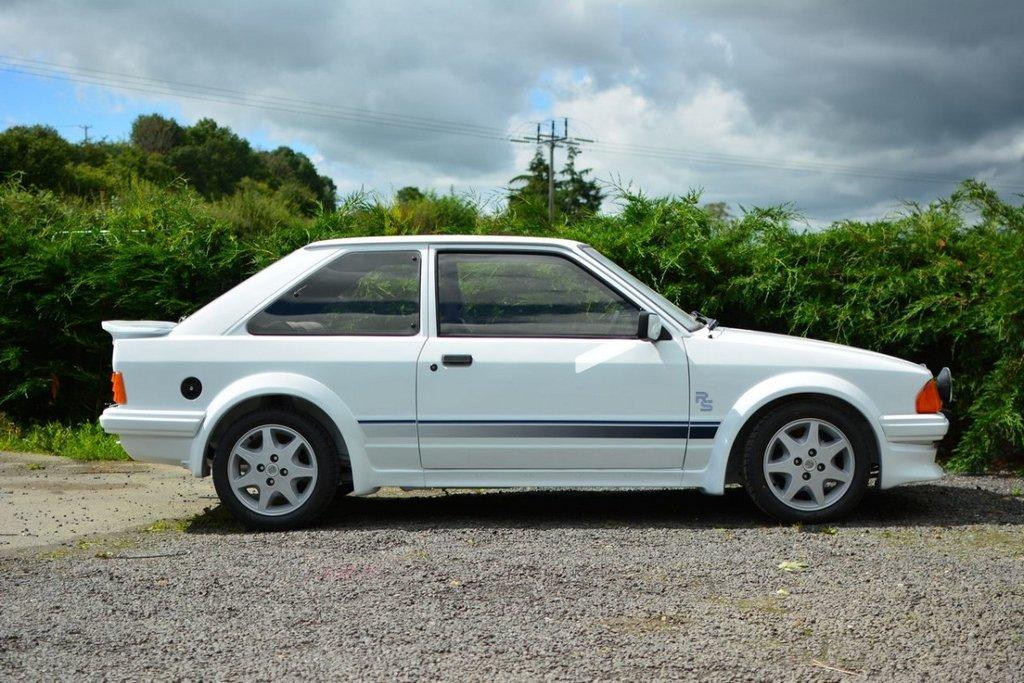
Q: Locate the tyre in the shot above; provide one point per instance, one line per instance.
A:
(807, 462)
(274, 470)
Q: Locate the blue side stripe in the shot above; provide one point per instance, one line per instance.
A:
(601, 428)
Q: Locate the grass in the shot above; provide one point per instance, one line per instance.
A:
(212, 520)
(86, 441)
(961, 541)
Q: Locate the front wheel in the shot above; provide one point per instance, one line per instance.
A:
(275, 470)
(807, 462)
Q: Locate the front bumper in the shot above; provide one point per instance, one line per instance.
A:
(908, 452)
(162, 436)
(914, 428)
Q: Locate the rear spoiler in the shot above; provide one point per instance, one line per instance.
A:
(138, 329)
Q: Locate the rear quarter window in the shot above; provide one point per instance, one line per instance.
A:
(361, 293)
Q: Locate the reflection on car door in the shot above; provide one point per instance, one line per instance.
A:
(536, 364)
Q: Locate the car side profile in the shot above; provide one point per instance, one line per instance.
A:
(433, 361)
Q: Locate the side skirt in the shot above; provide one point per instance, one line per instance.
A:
(667, 478)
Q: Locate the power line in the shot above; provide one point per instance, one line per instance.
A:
(54, 71)
(256, 102)
(753, 162)
(226, 95)
(552, 141)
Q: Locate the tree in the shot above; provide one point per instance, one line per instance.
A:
(154, 133)
(575, 194)
(295, 173)
(408, 194)
(36, 154)
(214, 159)
(532, 194)
(719, 211)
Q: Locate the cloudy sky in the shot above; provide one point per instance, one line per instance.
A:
(842, 108)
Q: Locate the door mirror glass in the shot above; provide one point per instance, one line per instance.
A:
(650, 326)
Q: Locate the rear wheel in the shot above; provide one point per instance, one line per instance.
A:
(807, 462)
(274, 469)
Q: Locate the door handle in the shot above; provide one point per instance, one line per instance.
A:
(457, 359)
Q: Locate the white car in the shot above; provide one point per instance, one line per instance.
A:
(452, 361)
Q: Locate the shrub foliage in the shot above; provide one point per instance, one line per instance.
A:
(941, 284)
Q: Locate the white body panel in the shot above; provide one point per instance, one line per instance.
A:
(527, 412)
(524, 403)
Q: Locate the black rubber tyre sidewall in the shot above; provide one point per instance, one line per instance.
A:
(765, 428)
(327, 470)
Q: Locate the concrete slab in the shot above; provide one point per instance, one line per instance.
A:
(46, 500)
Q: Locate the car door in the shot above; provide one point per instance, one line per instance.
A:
(534, 362)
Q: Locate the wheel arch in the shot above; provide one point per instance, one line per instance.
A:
(735, 463)
(291, 403)
(769, 394)
(283, 390)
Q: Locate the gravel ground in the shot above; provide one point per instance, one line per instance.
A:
(925, 583)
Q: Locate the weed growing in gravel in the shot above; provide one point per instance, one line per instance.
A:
(163, 525)
(417, 555)
(101, 547)
(660, 622)
(962, 541)
(1017, 492)
(792, 566)
(768, 604)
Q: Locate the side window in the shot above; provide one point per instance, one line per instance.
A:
(527, 295)
(358, 293)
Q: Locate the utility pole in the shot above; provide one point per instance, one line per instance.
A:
(552, 141)
(85, 130)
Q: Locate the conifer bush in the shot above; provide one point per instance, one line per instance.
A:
(941, 284)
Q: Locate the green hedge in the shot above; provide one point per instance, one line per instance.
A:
(942, 284)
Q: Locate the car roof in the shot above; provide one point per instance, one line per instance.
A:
(443, 239)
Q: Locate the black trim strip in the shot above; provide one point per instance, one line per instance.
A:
(593, 429)
(559, 431)
(703, 431)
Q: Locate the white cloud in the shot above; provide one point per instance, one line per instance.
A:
(886, 86)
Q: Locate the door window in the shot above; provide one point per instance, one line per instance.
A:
(527, 295)
(358, 293)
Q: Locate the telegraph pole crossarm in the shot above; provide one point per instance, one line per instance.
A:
(552, 140)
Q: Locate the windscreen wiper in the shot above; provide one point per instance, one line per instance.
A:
(710, 322)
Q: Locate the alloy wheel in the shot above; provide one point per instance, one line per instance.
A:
(272, 469)
(809, 464)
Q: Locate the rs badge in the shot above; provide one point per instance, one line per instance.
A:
(702, 399)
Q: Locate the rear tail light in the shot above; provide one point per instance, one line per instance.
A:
(928, 400)
(117, 382)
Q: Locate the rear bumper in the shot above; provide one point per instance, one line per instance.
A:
(162, 436)
(908, 453)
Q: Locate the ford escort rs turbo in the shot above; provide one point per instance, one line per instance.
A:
(452, 361)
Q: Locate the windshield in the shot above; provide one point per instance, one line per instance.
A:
(680, 316)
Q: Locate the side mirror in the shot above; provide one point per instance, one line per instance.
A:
(650, 326)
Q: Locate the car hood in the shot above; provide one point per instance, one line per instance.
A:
(812, 350)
